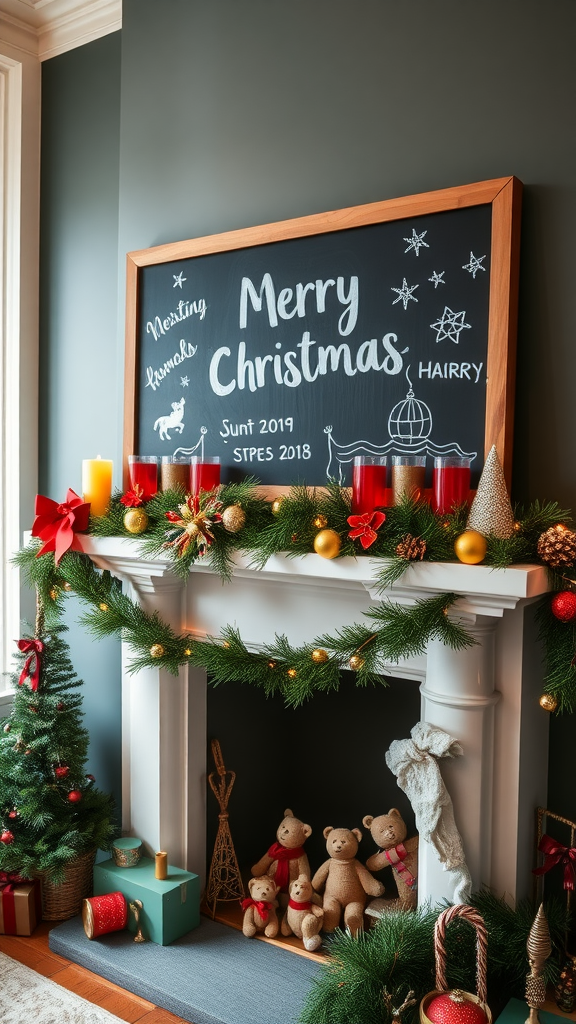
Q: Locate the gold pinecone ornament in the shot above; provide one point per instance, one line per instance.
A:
(411, 548)
(557, 546)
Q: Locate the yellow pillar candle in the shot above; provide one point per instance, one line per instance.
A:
(161, 865)
(97, 484)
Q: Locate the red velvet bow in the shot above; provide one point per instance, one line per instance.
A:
(364, 527)
(555, 854)
(262, 906)
(8, 880)
(35, 647)
(57, 524)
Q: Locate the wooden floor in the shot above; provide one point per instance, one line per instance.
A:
(35, 953)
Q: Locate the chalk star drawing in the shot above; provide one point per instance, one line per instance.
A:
(449, 325)
(437, 278)
(475, 264)
(184, 381)
(416, 242)
(405, 293)
(178, 279)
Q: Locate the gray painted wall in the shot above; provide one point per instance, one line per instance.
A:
(235, 114)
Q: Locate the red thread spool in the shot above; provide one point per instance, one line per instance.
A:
(103, 914)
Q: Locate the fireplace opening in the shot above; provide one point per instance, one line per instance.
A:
(324, 761)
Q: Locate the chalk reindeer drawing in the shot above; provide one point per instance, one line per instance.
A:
(174, 421)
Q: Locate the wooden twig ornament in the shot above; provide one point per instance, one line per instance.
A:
(224, 878)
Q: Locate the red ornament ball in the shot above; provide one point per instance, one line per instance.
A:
(454, 1008)
(74, 796)
(61, 771)
(6, 837)
(564, 605)
(91, 778)
(13, 814)
(60, 706)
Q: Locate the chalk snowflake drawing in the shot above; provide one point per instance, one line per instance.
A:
(405, 293)
(173, 421)
(475, 264)
(416, 242)
(194, 450)
(184, 381)
(409, 426)
(437, 278)
(178, 279)
(450, 325)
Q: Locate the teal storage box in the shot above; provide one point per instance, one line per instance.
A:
(170, 908)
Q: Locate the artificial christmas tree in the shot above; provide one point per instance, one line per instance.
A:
(52, 817)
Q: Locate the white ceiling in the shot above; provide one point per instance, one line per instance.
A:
(45, 28)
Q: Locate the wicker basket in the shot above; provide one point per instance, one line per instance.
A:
(59, 902)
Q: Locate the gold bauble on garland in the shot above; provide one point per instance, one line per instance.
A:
(135, 520)
(103, 606)
(548, 702)
(292, 673)
(356, 662)
(277, 505)
(470, 547)
(157, 651)
(327, 543)
(319, 656)
(233, 518)
(320, 521)
(557, 546)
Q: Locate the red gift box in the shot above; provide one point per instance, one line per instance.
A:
(20, 904)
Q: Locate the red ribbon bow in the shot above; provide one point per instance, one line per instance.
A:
(8, 880)
(35, 647)
(262, 906)
(555, 854)
(57, 525)
(365, 526)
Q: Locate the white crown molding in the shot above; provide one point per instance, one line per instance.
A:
(46, 28)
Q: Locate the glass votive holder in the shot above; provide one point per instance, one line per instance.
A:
(143, 471)
(408, 473)
(369, 482)
(450, 482)
(204, 473)
(175, 473)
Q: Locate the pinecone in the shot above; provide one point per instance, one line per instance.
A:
(557, 546)
(411, 548)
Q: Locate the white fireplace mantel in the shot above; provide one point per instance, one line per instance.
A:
(485, 696)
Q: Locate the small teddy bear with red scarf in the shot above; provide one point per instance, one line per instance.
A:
(285, 860)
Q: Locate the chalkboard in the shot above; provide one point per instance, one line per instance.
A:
(287, 349)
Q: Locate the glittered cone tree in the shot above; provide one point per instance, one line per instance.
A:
(491, 511)
(50, 810)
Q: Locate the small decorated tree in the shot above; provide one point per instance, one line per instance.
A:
(50, 810)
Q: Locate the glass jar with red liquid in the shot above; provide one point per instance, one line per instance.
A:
(450, 482)
(204, 473)
(369, 480)
(143, 470)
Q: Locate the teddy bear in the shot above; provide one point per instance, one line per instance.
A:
(303, 917)
(389, 832)
(346, 882)
(285, 860)
(260, 908)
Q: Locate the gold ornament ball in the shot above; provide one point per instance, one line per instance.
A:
(135, 520)
(470, 547)
(53, 593)
(187, 652)
(66, 586)
(327, 544)
(356, 662)
(548, 702)
(233, 518)
(271, 664)
(103, 606)
(156, 651)
(320, 522)
(277, 505)
(319, 656)
(292, 673)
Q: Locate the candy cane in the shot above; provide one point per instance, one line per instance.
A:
(475, 919)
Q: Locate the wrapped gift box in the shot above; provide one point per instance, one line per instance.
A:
(20, 907)
(170, 908)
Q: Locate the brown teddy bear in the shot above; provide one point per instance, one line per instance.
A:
(260, 908)
(285, 860)
(347, 882)
(388, 832)
(303, 918)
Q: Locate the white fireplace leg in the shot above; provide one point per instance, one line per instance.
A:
(458, 697)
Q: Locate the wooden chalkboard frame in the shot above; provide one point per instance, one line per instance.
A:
(504, 195)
